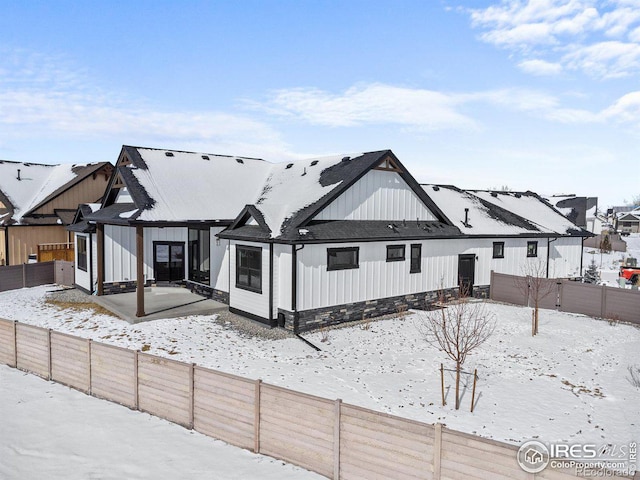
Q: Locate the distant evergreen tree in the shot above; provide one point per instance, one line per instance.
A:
(605, 244)
(591, 275)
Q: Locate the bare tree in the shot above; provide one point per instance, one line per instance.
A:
(535, 286)
(458, 328)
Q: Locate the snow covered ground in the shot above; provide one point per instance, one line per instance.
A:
(569, 383)
(53, 432)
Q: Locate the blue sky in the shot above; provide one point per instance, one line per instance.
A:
(536, 95)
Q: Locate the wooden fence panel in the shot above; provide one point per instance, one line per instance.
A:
(504, 289)
(297, 428)
(224, 407)
(164, 388)
(32, 344)
(113, 374)
(64, 273)
(39, 274)
(469, 457)
(70, 362)
(581, 298)
(622, 304)
(377, 445)
(7, 343)
(11, 278)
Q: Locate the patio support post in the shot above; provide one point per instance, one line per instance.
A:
(100, 255)
(139, 271)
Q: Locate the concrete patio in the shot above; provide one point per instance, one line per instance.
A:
(160, 302)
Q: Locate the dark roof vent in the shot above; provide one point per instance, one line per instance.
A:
(19, 175)
(169, 154)
(346, 159)
(289, 166)
(315, 162)
(205, 157)
(436, 188)
(239, 160)
(518, 195)
(494, 194)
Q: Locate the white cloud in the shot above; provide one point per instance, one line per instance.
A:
(43, 97)
(625, 109)
(601, 39)
(371, 104)
(540, 67)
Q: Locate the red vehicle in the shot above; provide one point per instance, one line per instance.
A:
(629, 272)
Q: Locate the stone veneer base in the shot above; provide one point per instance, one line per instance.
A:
(327, 316)
(208, 292)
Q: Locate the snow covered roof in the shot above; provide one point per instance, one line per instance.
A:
(534, 208)
(483, 218)
(177, 186)
(25, 187)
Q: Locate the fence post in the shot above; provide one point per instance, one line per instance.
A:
(49, 350)
(256, 416)
(135, 375)
(491, 284)
(89, 362)
(192, 400)
(437, 450)
(603, 302)
(337, 409)
(15, 344)
(24, 275)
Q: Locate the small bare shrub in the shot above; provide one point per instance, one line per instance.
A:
(366, 323)
(634, 375)
(324, 334)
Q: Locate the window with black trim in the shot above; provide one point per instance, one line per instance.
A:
(343, 258)
(498, 249)
(416, 257)
(199, 255)
(532, 249)
(82, 253)
(249, 268)
(395, 253)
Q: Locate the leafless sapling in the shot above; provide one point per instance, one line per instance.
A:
(457, 328)
(535, 286)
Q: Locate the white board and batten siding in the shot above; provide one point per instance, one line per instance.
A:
(254, 303)
(120, 250)
(376, 278)
(379, 195)
(565, 256)
(219, 261)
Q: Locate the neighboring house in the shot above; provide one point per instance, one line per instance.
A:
(311, 242)
(38, 201)
(628, 221)
(583, 211)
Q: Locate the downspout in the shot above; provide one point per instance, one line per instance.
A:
(549, 252)
(91, 290)
(294, 285)
(581, 256)
(271, 285)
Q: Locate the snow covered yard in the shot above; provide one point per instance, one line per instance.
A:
(567, 383)
(50, 431)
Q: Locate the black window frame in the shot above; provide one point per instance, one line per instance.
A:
(194, 273)
(534, 253)
(416, 261)
(331, 266)
(499, 245)
(251, 272)
(391, 248)
(82, 253)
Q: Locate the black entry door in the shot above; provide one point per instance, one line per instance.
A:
(466, 269)
(168, 261)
